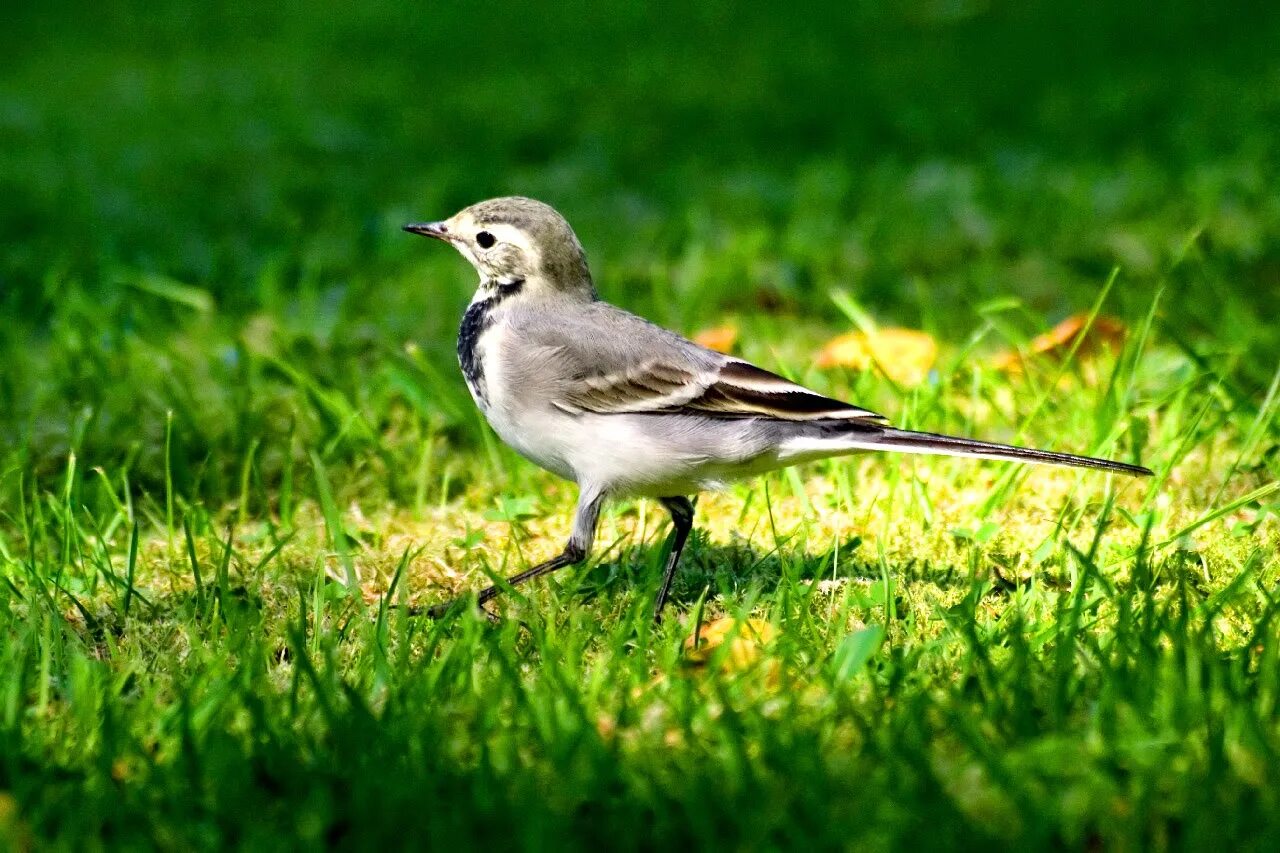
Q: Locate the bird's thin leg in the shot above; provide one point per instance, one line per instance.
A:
(584, 530)
(681, 509)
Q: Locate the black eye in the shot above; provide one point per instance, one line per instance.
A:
(485, 239)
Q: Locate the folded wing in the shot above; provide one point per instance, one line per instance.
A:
(728, 389)
(604, 360)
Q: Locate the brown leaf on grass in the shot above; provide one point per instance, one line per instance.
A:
(1105, 333)
(904, 355)
(746, 639)
(718, 338)
(606, 727)
(372, 591)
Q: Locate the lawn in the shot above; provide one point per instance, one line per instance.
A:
(236, 452)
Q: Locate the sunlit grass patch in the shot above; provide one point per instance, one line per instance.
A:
(985, 642)
(236, 457)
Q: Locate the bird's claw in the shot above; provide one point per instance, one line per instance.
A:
(438, 611)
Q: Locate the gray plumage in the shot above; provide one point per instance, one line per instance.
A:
(623, 407)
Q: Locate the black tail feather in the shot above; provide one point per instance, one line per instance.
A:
(949, 445)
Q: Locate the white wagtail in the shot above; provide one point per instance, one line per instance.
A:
(622, 407)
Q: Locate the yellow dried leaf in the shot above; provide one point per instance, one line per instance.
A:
(745, 639)
(1105, 333)
(606, 727)
(371, 591)
(904, 355)
(718, 338)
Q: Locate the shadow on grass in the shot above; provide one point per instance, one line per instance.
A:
(740, 571)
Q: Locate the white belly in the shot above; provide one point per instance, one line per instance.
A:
(621, 454)
(533, 429)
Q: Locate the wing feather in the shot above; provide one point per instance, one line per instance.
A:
(599, 358)
(731, 389)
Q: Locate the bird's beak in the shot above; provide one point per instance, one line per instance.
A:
(439, 230)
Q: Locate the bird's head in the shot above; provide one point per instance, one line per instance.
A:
(516, 243)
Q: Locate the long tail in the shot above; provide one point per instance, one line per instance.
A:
(816, 440)
(908, 441)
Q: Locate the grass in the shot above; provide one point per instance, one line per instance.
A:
(235, 444)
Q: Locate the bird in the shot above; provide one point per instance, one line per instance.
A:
(625, 408)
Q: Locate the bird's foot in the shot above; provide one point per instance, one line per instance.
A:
(439, 611)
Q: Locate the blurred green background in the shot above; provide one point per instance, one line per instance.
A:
(188, 186)
(227, 379)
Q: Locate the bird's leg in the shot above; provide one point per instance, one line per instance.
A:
(681, 509)
(584, 531)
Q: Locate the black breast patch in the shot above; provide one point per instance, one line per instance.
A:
(477, 321)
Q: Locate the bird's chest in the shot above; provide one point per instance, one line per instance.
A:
(475, 349)
(507, 397)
